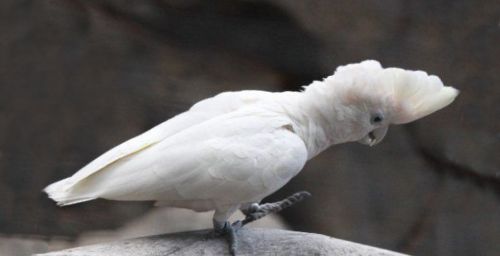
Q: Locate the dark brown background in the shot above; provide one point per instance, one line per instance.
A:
(78, 77)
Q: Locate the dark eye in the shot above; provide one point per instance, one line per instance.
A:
(377, 118)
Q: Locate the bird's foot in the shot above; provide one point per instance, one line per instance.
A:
(256, 211)
(253, 213)
(229, 231)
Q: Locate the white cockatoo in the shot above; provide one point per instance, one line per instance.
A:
(230, 151)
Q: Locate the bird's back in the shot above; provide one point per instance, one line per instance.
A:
(68, 191)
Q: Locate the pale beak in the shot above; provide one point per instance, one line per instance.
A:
(374, 137)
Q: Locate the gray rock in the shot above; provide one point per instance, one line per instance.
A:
(20, 246)
(251, 242)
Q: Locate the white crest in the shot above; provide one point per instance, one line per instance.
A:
(414, 94)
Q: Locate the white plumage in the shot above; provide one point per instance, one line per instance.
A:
(236, 148)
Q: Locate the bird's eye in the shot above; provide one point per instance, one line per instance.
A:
(377, 119)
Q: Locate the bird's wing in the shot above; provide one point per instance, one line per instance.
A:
(236, 156)
(200, 112)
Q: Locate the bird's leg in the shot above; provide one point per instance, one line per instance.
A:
(229, 231)
(256, 211)
(252, 213)
(224, 227)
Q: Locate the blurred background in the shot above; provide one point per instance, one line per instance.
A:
(78, 77)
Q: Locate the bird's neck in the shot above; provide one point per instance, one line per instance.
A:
(320, 118)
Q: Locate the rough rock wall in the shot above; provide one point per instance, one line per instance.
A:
(78, 77)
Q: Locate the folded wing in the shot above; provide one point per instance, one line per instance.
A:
(206, 160)
(200, 112)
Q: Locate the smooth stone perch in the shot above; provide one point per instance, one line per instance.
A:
(253, 241)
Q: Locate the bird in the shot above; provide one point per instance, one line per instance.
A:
(228, 152)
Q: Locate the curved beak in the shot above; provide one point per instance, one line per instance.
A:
(375, 136)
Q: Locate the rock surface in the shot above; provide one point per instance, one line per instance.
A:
(251, 242)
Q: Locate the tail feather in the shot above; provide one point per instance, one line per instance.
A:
(60, 192)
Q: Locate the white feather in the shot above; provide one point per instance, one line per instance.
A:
(239, 147)
(200, 112)
(215, 159)
(416, 93)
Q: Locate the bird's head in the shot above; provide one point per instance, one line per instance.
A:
(373, 98)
